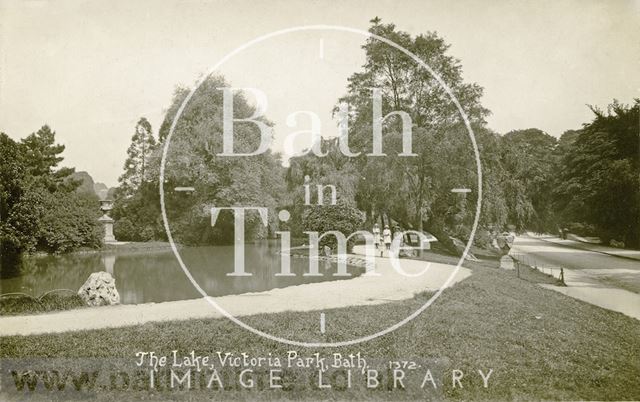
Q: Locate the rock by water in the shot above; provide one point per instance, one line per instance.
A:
(99, 290)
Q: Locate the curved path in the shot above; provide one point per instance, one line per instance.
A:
(363, 290)
(601, 278)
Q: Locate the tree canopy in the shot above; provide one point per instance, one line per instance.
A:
(40, 209)
(599, 175)
(193, 160)
(136, 166)
(530, 181)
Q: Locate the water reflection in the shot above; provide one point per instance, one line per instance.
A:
(157, 276)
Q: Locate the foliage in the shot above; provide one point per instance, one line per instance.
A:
(341, 217)
(55, 222)
(138, 216)
(138, 154)
(40, 209)
(529, 163)
(588, 178)
(599, 183)
(41, 158)
(179, 94)
(12, 170)
(65, 221)
(125, 230)
(414, 190)
(193, 160)
(332, 169)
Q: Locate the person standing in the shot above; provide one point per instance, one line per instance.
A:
(397, 232)
(376, 235)
(386, 236)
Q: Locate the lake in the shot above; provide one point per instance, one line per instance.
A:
(156, 276)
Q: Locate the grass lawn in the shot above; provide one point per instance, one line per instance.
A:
(539, 344)
(23, 304)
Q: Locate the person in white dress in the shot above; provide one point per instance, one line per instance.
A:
(386, 237)
(376, 236)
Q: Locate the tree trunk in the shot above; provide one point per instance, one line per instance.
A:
(438, 231)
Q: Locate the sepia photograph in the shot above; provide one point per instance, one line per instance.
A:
(319, 200)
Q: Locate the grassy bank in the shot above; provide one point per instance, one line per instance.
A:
(22, 304)
(539, 344)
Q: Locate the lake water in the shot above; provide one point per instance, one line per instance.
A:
(156, 276)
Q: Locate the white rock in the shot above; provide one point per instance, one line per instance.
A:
(99, 290)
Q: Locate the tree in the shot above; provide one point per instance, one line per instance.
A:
(599, 183)
(333, 169)
(41, 156)
(341, 217)
(179, 95)
(56, 222)
(529, 162)
(39, 207)
(138, 154)
(415, 190)
(138, 216)
(193, 160)
(12, 170)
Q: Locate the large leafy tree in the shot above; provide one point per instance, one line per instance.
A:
(599, 181)
(194, 161)
(415, 191)
(333, 169)
(12, 171)
(39, 207)
(219, 181)
(529, 161)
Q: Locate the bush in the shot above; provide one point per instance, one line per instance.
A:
(341, 217)
(125, 230)
(70, 222)
(581, 229)
(57, 222)
(483, 238)
(137, 216)
(148, 234)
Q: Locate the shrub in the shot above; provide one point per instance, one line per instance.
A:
(57, 222)
(581, 229)
(341, 217)
(147, 234)
(483, 238)
(125, 230)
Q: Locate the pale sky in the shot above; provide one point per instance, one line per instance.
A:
(91, 69)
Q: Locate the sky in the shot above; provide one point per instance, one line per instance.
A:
(91, 69)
